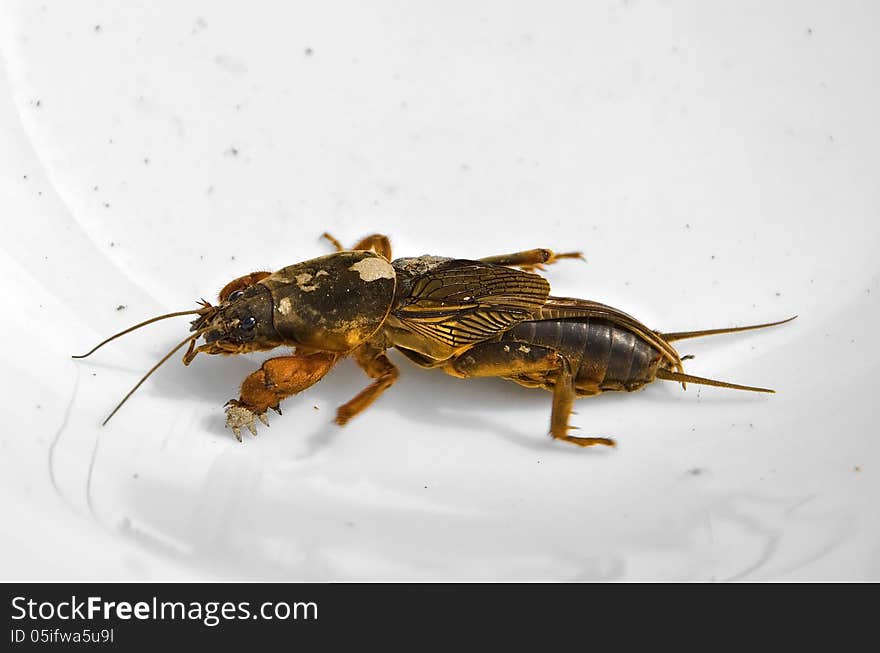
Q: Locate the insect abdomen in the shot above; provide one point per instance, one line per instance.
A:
(602, 355)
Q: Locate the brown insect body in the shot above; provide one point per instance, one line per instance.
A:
(469, 318)
(332, 303)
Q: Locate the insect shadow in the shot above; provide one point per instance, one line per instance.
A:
(422, 397)
(452, 403)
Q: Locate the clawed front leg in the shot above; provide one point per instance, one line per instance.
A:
(239, 415)
(277, 379)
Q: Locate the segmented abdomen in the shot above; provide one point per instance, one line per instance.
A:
(602, 355)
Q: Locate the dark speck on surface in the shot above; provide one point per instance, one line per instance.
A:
(146, 160)
(779, 294)
(233, 151)
(308, 52)
(121, 307)
(112, 244)
(38, 103)
(135, 475)
(696, 471)
(97, 28)
(95, 188)
(106, 205)
(231, 258)
(24, 176)
(809, 31)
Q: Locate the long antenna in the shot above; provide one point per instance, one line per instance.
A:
(189, 339)
(138, 326)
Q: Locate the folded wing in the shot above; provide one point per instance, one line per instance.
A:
(462, 302)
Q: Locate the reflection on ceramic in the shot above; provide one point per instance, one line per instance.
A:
(151, 154)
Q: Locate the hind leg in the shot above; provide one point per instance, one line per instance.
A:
(531, 259)
(563, 401)
(504, 359)
(530, 365)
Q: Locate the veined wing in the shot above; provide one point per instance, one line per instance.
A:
(462, 302)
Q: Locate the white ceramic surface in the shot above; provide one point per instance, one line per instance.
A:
(717, 162)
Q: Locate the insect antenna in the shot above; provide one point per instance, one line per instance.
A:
(190, 339)
(199, 311)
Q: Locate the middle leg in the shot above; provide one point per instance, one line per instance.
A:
(376, 364)
(378, 243)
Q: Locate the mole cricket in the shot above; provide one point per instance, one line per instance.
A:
(492, 317)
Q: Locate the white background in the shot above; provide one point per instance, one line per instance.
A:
(717, 163)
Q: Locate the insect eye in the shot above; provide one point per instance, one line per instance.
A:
(248, 323)
(234, 295)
